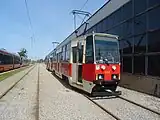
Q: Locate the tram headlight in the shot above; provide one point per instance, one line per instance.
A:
(103, 67)
(115, 76)
(100, 77)
(97, 67)
(114, 67)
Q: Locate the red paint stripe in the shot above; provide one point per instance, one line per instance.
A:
(65, 68)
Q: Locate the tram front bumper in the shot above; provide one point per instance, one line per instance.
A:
(106, 82)
(106, 93)
(105, 88)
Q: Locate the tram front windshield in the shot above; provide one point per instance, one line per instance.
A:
(106, 50)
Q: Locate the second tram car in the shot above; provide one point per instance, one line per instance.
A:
(9, 61)
(90, 63)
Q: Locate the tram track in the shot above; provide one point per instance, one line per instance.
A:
(151, 110)
(100, 106)
(93, 100)
(101, 102)
(130, 101)
(10, 88)
(37, 99)
(86, 96)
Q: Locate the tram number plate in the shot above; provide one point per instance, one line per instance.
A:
(107, 72)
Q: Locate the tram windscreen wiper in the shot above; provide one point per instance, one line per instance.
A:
(106, 60)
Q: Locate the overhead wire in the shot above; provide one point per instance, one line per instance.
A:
(81, 9)
(84, 5)
(30, 23)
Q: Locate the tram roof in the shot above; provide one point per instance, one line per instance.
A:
(98, 34)
(3, 51)
(65, 41)
(51, 53)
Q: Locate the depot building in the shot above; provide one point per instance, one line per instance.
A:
(137, 23)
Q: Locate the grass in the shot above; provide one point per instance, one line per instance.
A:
(10, 73)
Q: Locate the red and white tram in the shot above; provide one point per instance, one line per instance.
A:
(9, 61)
(90, 63)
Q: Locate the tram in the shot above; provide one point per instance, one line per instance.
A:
(90, 63)
(9, 61)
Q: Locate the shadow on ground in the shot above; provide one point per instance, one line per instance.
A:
(66, 84)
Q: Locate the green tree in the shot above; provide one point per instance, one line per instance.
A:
(23, 53)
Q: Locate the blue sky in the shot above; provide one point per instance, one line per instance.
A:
(51, 20)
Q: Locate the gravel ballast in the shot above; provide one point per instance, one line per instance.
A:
(7, 83)
(141, 98)
(126, 110)
(20, 102)
(57, 101)
(60, 103)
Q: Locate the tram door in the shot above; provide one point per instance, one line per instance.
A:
(77, 53)
(80, 62)
(57, 62)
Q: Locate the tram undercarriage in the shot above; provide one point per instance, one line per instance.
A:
(103, 88)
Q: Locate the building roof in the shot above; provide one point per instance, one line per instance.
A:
(108, 8)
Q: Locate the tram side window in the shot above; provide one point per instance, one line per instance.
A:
(11, 60)
(15, 60)
(63, 54)
(67, 55)
(60, 56)
(57, 57)
(80, 51)
(54, 57)
(7, 59)
(74, 49)
(1, 59)
(89, 50)
(67, 52)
